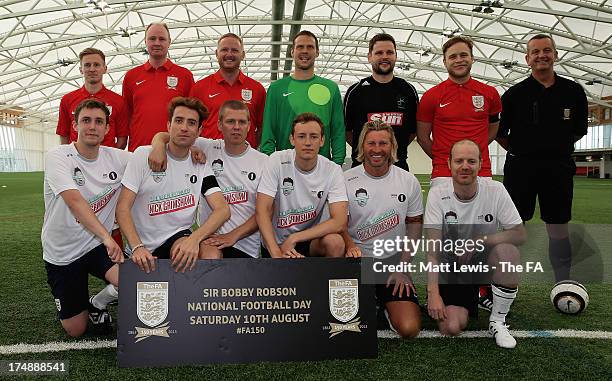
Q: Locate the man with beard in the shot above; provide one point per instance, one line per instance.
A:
(479, 219)
(382, 96)
(302, 92)
(544, 115)
(229, 83)
(388, 204)
(149, 88)
(458, 108)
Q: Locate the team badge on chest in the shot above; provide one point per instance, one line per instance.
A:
(478, 102)
(172, 82)
(247, 95)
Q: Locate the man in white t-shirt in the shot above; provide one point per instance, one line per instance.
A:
(237, 168)
(81, 188)
(478, 218)
(157, 209)
(296, 185)
(385, 203)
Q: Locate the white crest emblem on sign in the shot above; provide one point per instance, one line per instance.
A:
(344, 299)
(172, 81)
(247, 95)
(478, 101)
(152, 302)
(110, 109)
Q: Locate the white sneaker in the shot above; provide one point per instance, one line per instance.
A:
(502, 335)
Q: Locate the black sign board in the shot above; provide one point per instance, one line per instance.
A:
(245, 310)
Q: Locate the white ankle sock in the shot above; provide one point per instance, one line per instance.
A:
(502, 300)
(105, 296)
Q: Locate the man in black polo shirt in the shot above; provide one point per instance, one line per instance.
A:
(382, 96)
(542, 117)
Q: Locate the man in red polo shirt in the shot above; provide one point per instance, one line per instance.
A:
(229, 83)
(149, 88)
(93, 68)
(456, 109)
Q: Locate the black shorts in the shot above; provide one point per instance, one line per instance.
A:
(69, 283)
(461, 295)
(301, 247)
(384, 295)
(551, 181)
(163, 252)
(232, 252)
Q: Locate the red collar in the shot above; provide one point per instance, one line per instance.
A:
(219, 78)
(167, 65)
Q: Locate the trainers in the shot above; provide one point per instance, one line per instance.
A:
(502, 335)
(485, 303)
(99, 318)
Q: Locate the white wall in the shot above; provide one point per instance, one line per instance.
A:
(23, 149)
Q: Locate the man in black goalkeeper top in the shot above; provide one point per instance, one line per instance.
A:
(382, 96)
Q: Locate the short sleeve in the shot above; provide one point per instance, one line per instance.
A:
(270, 176)
(433, 212)
(415, 198)
(135, 170)
(508, 216)
(58, 172)
(426, 108)
(337, 189)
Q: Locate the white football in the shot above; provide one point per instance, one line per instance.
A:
(569, 297)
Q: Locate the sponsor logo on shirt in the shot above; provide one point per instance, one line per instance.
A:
(478, 102)
(172, 82)
(401, 102)
(99, 201)
(391, 118)
(171, 202)
(235, 194)
(378, 225)
(485, 217)
(296, 216)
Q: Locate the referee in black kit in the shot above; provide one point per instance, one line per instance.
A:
(542, 117)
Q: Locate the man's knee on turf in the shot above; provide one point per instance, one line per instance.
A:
(209, 252)
(333, 245)
(506, 252)
(450, 327)
(407, 328)
(76, 325)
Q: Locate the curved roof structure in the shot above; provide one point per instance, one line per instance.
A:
(41, 39)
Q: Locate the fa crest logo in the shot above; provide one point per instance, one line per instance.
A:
(172, 82)
(152, 309)
(344, 305)
(343, 298)
(478, 102)
(247, 95)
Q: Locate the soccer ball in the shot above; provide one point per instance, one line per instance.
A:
(569, 297)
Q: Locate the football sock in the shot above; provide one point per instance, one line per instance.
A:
(560, 255)
(105, 296)
(502, 300)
